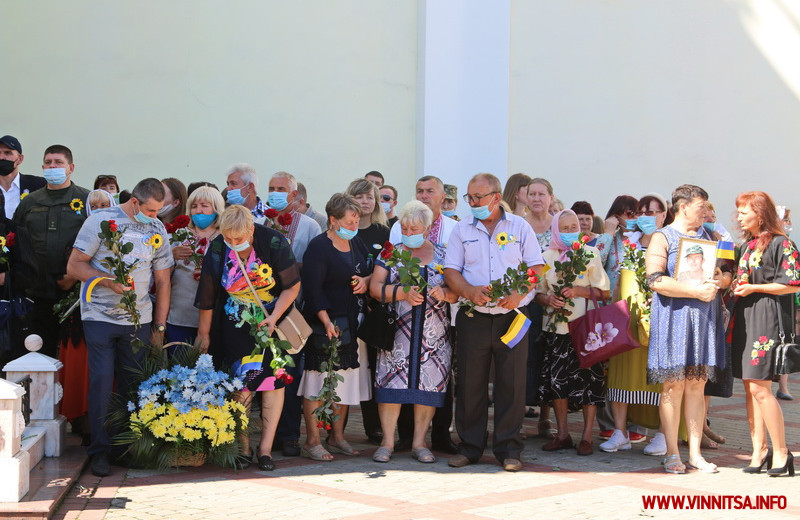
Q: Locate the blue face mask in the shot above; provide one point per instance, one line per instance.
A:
(449, 213)
(202, 221)
(387, 207)
(141, 218)
(413, 241)
(481, 212)
(346, 234)
(235, 196)
(630, 225)
(55, 176)
(569, 238)
(277, 200)
(647, 224)
(710, 226)
(240, 247)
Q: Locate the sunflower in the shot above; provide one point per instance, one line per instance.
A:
(264, 271)
(76, 205)
(2, 242)
(502, 238)
(438, 268)
(155, 241)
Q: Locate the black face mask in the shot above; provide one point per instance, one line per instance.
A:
(6, 167)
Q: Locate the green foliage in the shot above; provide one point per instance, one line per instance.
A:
(327, 394)
(568, 271)
(521, 280)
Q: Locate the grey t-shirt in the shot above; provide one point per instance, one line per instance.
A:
(103, 306)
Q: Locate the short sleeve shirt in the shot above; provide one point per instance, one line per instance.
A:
(103, 305)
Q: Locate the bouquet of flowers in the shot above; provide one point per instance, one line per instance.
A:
(409, 270)
(521, 279)
(277, 221)
(279, 348)
(5, 243)
(635, 289)
(567, 272)
(64, 307)
(327, 393)
(180, 411)
(180, 234)
(111, 236)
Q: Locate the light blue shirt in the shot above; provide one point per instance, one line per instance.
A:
(479, 258)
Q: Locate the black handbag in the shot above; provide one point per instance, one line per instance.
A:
(380, 324)
(787, 355)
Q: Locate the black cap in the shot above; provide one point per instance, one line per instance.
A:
(12, 142)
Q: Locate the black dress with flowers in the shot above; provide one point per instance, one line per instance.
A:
(755, 321)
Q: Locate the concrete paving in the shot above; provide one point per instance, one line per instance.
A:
(605, 486)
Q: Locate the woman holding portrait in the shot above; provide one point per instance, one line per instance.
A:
(687, 340)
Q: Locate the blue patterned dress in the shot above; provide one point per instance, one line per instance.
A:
(687, 339)
(415, 371)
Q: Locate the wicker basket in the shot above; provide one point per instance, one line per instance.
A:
(188, 460)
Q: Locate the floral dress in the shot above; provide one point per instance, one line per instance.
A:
(416, 369)
(755, 330)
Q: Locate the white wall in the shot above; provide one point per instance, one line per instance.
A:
(185, 88)
(631, 97)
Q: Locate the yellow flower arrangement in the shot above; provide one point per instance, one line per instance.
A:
(2, 242)
(76, 205)
(155, 241)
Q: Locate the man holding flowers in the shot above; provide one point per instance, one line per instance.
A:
(115, 254)
(481, 249)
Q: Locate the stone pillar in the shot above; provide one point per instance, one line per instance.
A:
(46, 393)
(14, 462)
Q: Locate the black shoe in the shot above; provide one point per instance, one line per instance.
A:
(100, 465)
(265, 462)
(375, 437)
(767, 460)
(787, 468)
(291, 448)
(445, 446)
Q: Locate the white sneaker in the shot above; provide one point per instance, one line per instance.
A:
(657, 445)
(618, 441)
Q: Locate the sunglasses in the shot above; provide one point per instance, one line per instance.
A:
(386, 198)
(101, 178)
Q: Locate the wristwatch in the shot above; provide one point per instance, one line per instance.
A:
(159, 327)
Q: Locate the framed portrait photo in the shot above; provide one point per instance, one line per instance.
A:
(696, 260)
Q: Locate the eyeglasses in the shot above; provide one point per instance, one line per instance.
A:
(386, 198)
(649, 213)
(474, 199)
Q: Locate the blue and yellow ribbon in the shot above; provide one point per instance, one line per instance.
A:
(88, 285)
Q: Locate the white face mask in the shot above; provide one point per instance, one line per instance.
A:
(166, 209)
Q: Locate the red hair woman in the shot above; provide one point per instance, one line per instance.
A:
(768, 271)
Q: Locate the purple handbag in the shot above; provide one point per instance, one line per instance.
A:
(602, 333)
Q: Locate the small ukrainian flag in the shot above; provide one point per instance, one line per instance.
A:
(725, 250)
(241, 367)
(517, 330)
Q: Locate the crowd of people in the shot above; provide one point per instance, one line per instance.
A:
(449, 360)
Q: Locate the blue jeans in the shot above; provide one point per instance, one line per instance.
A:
(110, 355)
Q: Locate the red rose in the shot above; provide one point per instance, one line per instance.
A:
(585, 239)
(754, 362)
(795, 254)
(129, 282)
(11, 237)
(271, 213)
(320, 424)
(169, 228)
(632, 246)
(280, 372)
(626, 242)
(327, 426)
(288, 379)
(576, 245)
(201, 251)
(181, 221)
(285, 219)
(386, 252)
(762, 353)
(112, 225)
(533, 280)
(196, 275)
(202, 242)
(531, 271)
(762, 339)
